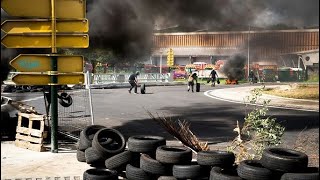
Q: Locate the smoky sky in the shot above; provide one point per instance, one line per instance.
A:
(126, 26)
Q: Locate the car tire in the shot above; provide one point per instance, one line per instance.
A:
(284, 160)
(108, 150)
(65, 100)
(86, 136)
(224, 174)
(173, 155)
(167, 178)
(143, 89)
(100, 174)
(145, 144)
(81, 156)
(134, 173)
(92, 157)
(216, 158)
(119, 161)
(152, 166)
(311, 173)
(189, 171)
(253, 170)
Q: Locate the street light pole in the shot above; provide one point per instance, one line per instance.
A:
(160, 62)
(248, 52)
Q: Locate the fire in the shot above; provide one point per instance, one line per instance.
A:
(231, 81)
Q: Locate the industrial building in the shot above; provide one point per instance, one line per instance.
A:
(267, 49)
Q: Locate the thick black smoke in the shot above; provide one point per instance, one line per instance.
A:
(121, 26)
(126, 26)
(234, 67)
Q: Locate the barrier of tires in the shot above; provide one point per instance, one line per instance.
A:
(149, 158)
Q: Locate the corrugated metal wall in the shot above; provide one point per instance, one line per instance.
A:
(263, 44)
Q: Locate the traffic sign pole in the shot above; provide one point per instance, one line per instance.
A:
(54, 81)
(69, 31)
(54, 105)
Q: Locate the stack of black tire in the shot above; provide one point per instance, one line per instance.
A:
(97, 144)
(149, 158)
(276, 163)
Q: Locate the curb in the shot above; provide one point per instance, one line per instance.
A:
(49, 178)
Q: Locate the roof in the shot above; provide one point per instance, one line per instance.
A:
(196, 51)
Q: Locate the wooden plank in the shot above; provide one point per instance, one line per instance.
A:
(32, 116)
(30, 146)
(28, 131)
(29, 138)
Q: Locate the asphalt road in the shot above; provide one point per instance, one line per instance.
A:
(211, 120)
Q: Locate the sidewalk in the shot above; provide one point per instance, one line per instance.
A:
(19, 163)
(23, 164)
(239, 94)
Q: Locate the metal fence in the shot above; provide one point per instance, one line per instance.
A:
(121, 78)
(73, 119)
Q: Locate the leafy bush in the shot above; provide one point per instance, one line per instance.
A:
(258, 131)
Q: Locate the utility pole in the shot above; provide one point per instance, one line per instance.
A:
(160, 68)
(248, 53)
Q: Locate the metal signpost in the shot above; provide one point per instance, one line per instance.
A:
(62, 25)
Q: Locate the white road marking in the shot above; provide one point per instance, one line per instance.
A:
(208, 94)
(32, 99)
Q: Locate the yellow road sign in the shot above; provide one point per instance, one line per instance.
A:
(42, 63)
(44, 26)
(44, 41)
(42, 8)
(43, 79)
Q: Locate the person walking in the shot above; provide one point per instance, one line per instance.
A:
(133, 80)
(214, 76)
(191, 79)
(251, 77)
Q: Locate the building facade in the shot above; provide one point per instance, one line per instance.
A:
(268, 47)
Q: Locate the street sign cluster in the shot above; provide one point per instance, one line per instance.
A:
(62, 24)
(170, 57)
(71, 28)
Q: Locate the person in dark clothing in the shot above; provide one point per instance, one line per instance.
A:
(133, 82)
(213, 75)
(251, 77)
(192, 78)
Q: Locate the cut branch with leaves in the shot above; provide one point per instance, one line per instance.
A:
(258, 131)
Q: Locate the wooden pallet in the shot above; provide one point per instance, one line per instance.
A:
(30, 132)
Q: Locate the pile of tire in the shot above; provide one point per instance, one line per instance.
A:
(97, 144)
(276, 163)
(149, 158)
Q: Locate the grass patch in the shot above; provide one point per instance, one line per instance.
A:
(298, 92)
(314, 78)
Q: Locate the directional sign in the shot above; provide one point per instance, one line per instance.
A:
(43, 79)
(41, 63)
(44, 26)
(42, 8)
(44, 41)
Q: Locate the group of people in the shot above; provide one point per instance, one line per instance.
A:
(192, 80)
